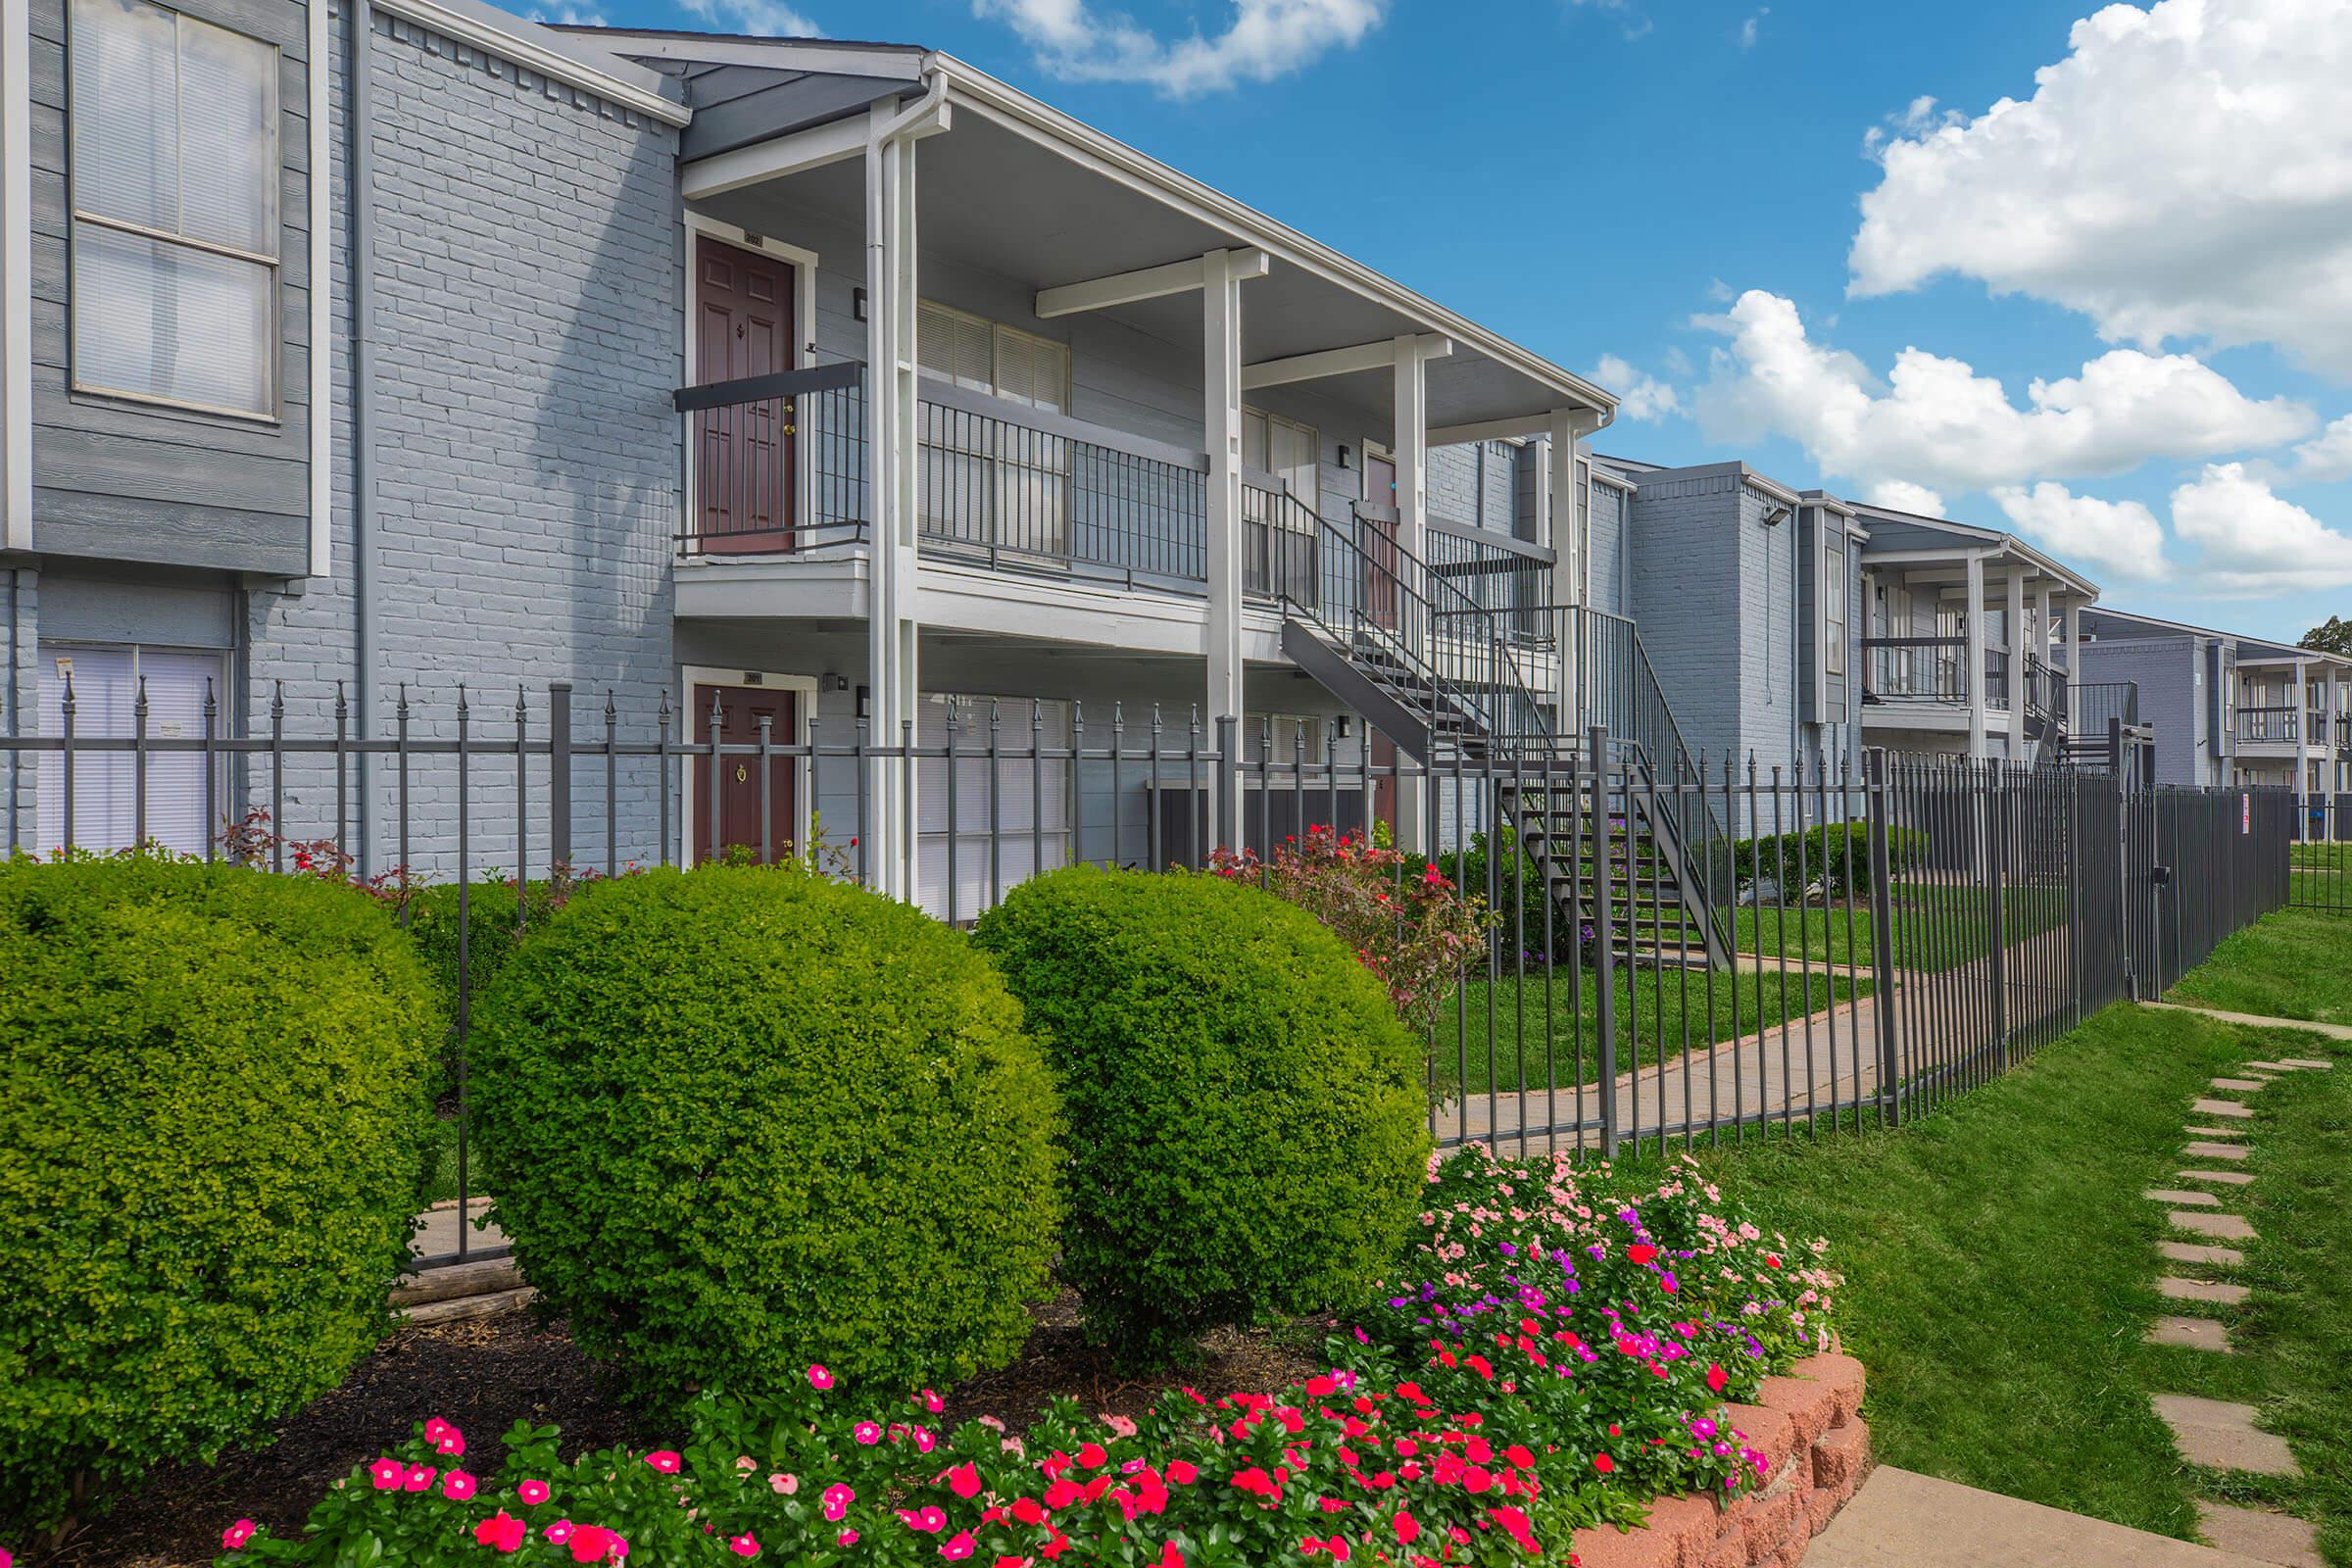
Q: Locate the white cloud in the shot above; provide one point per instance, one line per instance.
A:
(1641, 396)
(1904, 496)
(768, 19)
(1753, 26)
(2121, 538)
(1938, 423)
(2252, 542)
(1266, 39)
(2186, 172)
(1917, 117)
(2322, 460)
(570, 17)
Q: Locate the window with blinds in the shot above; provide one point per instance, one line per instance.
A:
(1010, 813)
(1833, 608)
(1286, 451)
(106, 679)
(986, 480)
(176, 174)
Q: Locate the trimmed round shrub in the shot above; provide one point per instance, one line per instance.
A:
(747, 1119)
(1248, 1126)
(211, 1098)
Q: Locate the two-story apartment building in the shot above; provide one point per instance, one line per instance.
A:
(356, 354)
(2231, 710)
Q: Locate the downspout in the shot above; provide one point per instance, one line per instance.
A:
(358, 185)
(1796, 645)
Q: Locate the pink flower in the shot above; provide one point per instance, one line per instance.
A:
(963, 1479)
(664, 1460)
(503, 1532)
(418, 1477)
(560, 1532)
(387, 1473)
(836, 1501)
(782, 1484)
(819, 1379)
(436, 1429)
(957, 1546)
(451, 1442)
(232, 1537)
(930, 1402)
(847, 1538)
(868, 1433)
(456, 1486)
(532, 1492)
(743, 1545)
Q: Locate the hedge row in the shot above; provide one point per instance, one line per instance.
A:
(744, 1118)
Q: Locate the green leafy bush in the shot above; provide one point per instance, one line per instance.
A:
(211, 1104)
(1823, 858)
(1249, 1104)
(744, 1119)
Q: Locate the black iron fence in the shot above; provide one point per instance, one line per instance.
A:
(1896, 933)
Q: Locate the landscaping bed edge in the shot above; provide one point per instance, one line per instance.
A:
(1808, 1422)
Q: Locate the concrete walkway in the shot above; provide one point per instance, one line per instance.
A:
(1902, 1519)
(2333, 1031)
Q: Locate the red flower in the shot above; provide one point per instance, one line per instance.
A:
(501, 1532)
(1183, 1472)
(963, 1479)
(1716, 1377)
(1603, 1463)
(1169, 1557)
(1514, 1524)
(1028, 1511)
(1641, 1252)
(1092, 1457)
(1409, 1528)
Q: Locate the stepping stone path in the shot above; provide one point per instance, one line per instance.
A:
(2194, 1333)
(2277, 1538)
(2181, 1199)
(2209, 1290)
(2219, 1434)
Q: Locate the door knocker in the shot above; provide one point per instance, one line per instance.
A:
(743, 774)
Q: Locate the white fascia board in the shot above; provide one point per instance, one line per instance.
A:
(1143, 283)
(510, 38)
(1522, 427)
(15, 277)
(1348, 361)
(778, 158)
(890, 62)
(1024, 116)
(1930, 558)
(321, 302)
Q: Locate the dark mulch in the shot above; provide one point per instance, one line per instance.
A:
(486, 1375)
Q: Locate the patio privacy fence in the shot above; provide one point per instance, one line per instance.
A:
(1899, 931)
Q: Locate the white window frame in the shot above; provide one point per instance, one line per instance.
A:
(273, 261)
(1835, 570)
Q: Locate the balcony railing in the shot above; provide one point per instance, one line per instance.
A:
(2275, 724)
(780, 466)
(2097, 703)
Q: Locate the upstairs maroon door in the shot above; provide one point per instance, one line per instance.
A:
(743, 465)
(741, 708)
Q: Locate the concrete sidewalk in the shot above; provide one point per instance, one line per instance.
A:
(1900, 1519)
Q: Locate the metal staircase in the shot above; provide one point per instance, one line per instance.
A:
(1454, 684)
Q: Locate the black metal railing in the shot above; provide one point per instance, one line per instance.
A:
(1956, 916)
(2096, 702)
(1915, 669)
(776, 463)
(2276, 723)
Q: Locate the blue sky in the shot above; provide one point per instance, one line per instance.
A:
(1601, 177)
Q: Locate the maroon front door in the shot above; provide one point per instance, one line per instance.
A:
(744, 463)
(1379, 543)
(738, 824)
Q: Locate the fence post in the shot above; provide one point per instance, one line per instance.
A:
(559, 774)
(1227, 830)
(1996, 867)
(1881, 934)
(1604, 940)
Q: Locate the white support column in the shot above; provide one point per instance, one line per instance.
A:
(1972, 667)
(2020, 645)
(894, 430)
(1221, 274)
(1410, 449)
(1562, 498)
(16, 271)
(2299, 715)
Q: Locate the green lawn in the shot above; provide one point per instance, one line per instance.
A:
(1652, 1008)
(2296, 963)
(2001, 1262)
(1937, 927)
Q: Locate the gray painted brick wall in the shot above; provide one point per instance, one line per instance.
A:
(2170, 697)
(526, 456)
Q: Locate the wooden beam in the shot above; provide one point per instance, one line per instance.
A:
(1526, 424)
(778, 158)
(1145, 283)
(1349, 360)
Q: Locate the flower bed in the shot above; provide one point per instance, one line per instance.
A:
(1557, 1349)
